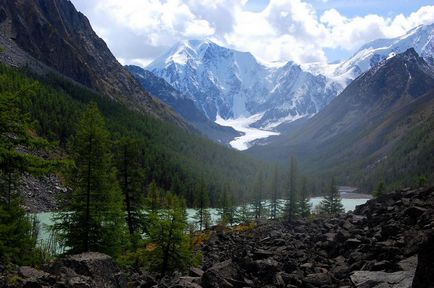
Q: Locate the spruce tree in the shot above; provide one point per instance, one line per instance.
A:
(17, 240)
(332, 204)
(94, 216)
(303, 204)
(130, 177)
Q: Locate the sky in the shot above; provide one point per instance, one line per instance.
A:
(303, 31)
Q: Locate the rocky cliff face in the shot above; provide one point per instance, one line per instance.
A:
(56, 34)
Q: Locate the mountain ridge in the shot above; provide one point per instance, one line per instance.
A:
(380, 112)
(233, 84)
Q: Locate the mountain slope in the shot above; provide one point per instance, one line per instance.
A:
(233, 84)
(56, 34)
(184, 106)
(420, 38)
(360, 135)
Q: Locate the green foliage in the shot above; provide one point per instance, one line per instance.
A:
(153, 200)
(422, 181)
(275, 208)
(169, 247)
(227, 207)
(174, 158)
(258, 191)
(95, 219)
(244, 214)
(131, 177)
(332, 204)
(202, 215)
(303, 205)
(381, 188)
(17, 237)
(291, 206)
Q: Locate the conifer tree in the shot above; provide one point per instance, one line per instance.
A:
(332, 204)
(166, 234)
(130, 177)
(243, 214)
(258, 192)
(95, 218)
(226, 206)
(380, 189)
(201, 204)
(17, 242)
(303, 204)
(153, 199)
(291, 205)
(274, 195)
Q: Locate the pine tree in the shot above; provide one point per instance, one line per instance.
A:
(130, 177)
(291, 205)
(332, 204)
(95, 217)
(304, 207)
(201, 204)
(17, 240)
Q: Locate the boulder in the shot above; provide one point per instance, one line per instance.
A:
(379, 279)
(424, 276)
(218, 275)
(90, 269)
(318, 279)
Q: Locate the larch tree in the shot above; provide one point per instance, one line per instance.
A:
(94, 218)
(17, 240)
(201, 203)
(226, 206)
(130, 177)
(258, 190)
(169, 245)
(291, 205)
(275, 208)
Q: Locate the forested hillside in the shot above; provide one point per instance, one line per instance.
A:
(174, 158)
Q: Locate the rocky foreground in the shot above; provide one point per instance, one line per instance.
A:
(388, 242)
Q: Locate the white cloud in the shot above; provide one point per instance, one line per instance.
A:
(138, 30)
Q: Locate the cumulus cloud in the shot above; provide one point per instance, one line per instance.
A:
(138, 30)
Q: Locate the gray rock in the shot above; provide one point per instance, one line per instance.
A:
(379, 279)
(318, 279)
(424, 277)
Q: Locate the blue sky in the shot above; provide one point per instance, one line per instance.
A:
(303, 31)
(353, 8)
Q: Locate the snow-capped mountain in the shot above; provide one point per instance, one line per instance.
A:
(420, 38)
(233, 84)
